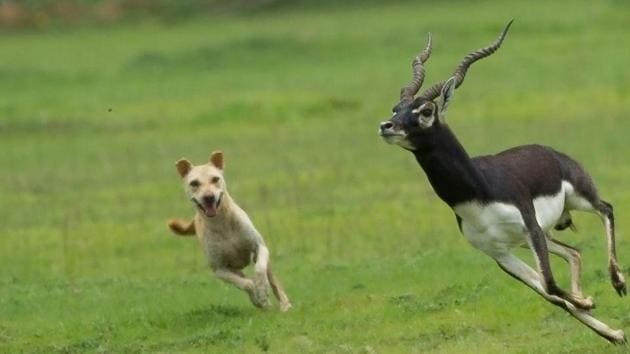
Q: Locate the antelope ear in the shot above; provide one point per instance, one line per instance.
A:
(448, 90)
(183, 167)
(216, 159)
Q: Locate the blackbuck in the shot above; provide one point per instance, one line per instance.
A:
(511, 199)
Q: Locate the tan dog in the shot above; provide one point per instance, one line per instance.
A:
(226, 234)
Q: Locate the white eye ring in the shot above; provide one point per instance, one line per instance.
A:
(419, 110)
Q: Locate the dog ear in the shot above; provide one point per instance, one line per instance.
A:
(217, 159)
(183, 167)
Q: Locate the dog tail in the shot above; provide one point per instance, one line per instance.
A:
(181, 227)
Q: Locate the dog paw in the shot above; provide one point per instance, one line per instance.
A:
(254, 299)
(285, 306)
(261, 290)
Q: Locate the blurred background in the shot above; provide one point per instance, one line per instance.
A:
(98, 99)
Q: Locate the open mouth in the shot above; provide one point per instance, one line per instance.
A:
(209, 205)
(390, 134)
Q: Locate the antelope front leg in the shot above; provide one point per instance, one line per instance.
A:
(571, 256)
(574, 258)
(524, 273)
(537, 242)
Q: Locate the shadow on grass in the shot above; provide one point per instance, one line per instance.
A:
(214, 312)
(201, 324)
(203, 339)
(200, 318)
(434, 339)
(452, 295)
(199, 327)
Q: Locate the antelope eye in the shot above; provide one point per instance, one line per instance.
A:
(426, 112)
(194, 183)
(215, 179)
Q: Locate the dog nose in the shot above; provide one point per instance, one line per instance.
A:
(208, 199)
(386, 125)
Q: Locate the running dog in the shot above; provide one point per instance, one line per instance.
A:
(226, 234)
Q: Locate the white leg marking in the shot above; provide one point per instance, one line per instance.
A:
(616, 275)
(575, 262)
(527, 275)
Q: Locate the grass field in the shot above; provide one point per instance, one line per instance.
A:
(92, 120)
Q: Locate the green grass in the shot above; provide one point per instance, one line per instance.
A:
(371, 258)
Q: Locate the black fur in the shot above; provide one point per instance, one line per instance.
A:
(515, 176)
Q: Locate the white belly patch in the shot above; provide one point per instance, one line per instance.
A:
(496, 227)
(550, 208)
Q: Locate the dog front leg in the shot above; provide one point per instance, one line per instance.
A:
(261, 281)
(234, 278)
(239, 280)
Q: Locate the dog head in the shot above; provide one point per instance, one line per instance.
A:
(204, 184)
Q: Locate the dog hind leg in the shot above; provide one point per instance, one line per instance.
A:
(278, 291)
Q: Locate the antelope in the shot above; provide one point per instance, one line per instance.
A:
(511, 199)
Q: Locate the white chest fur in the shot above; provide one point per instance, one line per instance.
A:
(496, 227)
(493, 228)
(229, 239)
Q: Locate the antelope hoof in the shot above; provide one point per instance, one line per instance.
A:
(618, 337)
(588, 302)
(584, 304)
(618, 282)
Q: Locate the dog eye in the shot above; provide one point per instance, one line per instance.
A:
(194, 183)
(215, 179)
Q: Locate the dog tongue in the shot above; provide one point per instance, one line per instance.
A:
(210, 210)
